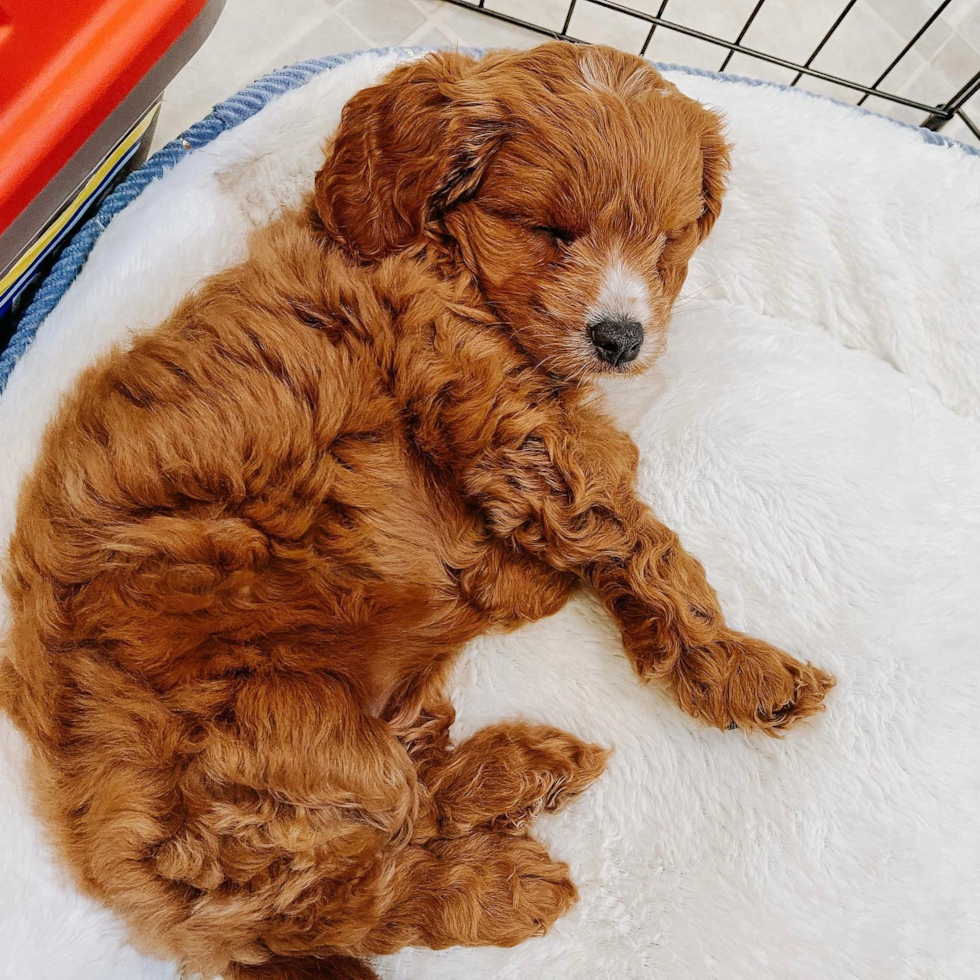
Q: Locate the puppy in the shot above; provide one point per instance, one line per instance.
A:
(255, 542)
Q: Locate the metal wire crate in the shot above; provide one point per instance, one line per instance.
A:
(657, 18)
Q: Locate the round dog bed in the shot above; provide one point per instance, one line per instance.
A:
(813, 434)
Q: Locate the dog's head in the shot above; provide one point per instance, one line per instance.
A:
(574, 183)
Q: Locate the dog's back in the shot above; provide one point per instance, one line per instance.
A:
(220, 541)
(236, 590)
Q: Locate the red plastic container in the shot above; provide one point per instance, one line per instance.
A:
(78, 80)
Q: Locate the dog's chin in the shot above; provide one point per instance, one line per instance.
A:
(626, 370)
(599, 368)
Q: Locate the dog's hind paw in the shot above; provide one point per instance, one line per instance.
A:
(506, 773)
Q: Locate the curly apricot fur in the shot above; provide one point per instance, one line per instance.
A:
(254, 542)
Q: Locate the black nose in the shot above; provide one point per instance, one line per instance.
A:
(617, 341)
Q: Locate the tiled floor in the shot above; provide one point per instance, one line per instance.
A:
(256, 36)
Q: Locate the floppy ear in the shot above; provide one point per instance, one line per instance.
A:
(714, 151)
(406, 151)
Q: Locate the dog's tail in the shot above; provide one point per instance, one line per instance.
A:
(307, 968)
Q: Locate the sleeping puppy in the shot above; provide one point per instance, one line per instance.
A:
(255, 542)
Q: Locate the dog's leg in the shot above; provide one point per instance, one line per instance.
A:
(499, 777)
(564, 491)
(673, 629)
(275, 830)
(506, 773)
(487, 888)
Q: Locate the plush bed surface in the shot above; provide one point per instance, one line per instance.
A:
(813, 434)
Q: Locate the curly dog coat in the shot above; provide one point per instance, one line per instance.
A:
(255, 541)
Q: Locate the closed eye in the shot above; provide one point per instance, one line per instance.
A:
(555, 233)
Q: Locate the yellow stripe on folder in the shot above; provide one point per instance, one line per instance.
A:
(24, 262)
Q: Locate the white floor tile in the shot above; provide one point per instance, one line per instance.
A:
(601, 26)
(429, 6)
(907, 16)
(721, 19)
(250, 38)
(547, 13)
(467, 27)
(332, 35)
(431, 37)
(387, 23)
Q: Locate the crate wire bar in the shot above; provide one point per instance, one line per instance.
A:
(936, 115)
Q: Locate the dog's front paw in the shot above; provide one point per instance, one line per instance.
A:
(741, 682)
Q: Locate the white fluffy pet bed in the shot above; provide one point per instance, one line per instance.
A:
(814, 436)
